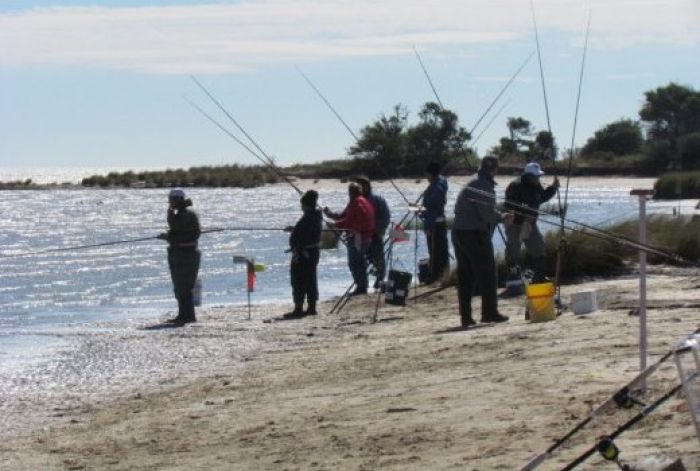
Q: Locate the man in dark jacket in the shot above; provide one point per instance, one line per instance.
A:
(382, 219)
(524, 197)
(476, 218)
(183, 255)
(304, 244)
(434, 221)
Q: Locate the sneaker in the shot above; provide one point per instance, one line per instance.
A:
(498, 317)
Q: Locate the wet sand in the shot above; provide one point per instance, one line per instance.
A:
(342, 392)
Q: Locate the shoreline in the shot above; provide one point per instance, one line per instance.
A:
(338, 392)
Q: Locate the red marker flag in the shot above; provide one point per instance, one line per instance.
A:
(251, 275)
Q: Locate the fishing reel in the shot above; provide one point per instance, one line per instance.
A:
(624, 400)
(608, 450)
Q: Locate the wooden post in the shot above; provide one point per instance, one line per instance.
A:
(643, 195)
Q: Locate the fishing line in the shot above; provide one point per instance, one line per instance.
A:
(142, 239)
(578, 101)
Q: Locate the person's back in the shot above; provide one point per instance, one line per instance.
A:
(475, 205)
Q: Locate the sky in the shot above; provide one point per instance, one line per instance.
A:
(105, 84)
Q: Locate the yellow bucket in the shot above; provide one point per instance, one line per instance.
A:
(540, 302)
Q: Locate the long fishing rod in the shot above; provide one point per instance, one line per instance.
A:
(606, 445)
(562, 243)
(500, 93)
(268, 159)
(239, 141)
(427, 75)
(578, 102)
(352, 133)
(597, 232)
(621, 398)
(143, 239)
(489, 123)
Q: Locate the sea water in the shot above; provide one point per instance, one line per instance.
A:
(49, 295)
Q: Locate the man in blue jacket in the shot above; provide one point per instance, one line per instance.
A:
(435, 223)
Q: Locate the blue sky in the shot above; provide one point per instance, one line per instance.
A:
(88, 83)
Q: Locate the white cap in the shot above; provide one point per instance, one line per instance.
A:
(533, 168)
(176, 193)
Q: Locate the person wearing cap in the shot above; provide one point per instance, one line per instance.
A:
(524, 195)
(358, 222)
(304, 243)
(475, 220)
(435, 223)
(382, 219)
(183, 255)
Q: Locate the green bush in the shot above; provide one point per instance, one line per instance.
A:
(678, 185)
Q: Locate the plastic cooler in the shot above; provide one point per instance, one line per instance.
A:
(540, 301)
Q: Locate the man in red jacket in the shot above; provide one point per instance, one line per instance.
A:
(357, 219)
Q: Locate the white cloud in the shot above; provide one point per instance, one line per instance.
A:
(229, 38)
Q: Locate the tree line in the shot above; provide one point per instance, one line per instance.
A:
(665, 136)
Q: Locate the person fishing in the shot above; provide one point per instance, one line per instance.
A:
(183, 255)
(382, 219)
(524, 196)
(304, 243)
(358, 222)
(475, 220)
(435, 223)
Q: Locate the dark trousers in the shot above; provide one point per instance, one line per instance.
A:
(303, 276)
(184, 266)
(437, 250)
(376, 255)
(475, 264)
(357, 262)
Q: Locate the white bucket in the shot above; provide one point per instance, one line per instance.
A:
(584, 302)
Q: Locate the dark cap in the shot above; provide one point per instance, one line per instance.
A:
(433, 168)
(362, 179)
(489, 163)
(310, 198)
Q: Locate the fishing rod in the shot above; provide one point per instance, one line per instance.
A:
(235, 138)
(607, 447)
(621, 398)
(500, 93)
(352, 133)
(268, 160)
(427, 75)
(143, 239)
(598, 233)
(578, 101)
(562, 244)
(490, 122)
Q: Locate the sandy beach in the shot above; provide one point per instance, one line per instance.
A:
(341, 392)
